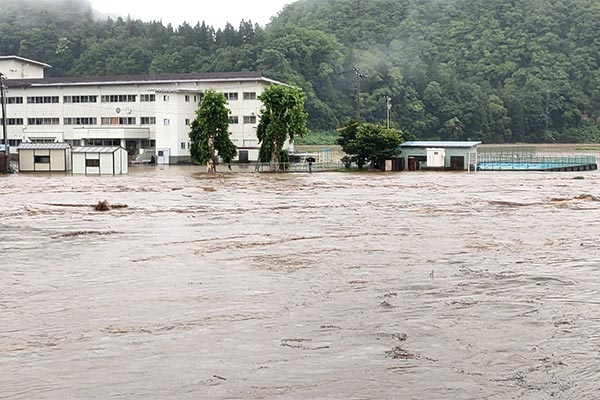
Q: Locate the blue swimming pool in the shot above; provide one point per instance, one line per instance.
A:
(535, 166)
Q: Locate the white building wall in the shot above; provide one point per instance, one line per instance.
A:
(170, 106)
(26, 158)
(123, 167)
(58, 160)
(14, 68)
(107, 163)
(79, 163)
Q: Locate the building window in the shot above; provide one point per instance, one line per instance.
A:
(42, 121)
(13, 121)
(166, 122)
(14, 100)
(182, 145)
(42, 140)
(187, 122)
(147, 98)
(118, 120)
(92, 162)
(249, 95)
(231, 96)
(249, 119)
(42, 99)
(187, 98)
(148, 120)
(80, 121)
(119, 98)
(80, 99)
(41, 159)
(234, 119)
(166, 97)
(14, 142)
(103, 142)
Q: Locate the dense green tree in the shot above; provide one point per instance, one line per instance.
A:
(209, 132)
(369, 143)
(376, 143)
(282, 118)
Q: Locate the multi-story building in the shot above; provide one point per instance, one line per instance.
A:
(142, 113)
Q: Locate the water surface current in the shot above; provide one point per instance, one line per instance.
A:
(300, 286)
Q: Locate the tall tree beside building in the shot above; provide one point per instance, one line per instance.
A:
(282, 118)
(209, 132)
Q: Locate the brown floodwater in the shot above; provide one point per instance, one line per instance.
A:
(300, 286)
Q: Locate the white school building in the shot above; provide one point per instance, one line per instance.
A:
(147, 114)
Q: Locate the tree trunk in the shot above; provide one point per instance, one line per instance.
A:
(210, 164)
(275, 157)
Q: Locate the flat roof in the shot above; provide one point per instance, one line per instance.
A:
(43, 146)
(447, 144)
(96, 149)
(25, 60)
(143, 79)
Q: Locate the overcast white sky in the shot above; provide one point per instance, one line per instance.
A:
(214, 12)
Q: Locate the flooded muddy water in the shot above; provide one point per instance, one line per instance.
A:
(300, 286)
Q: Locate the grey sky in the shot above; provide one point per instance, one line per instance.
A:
(215, 13)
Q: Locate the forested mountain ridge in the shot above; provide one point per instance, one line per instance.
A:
(493, 70)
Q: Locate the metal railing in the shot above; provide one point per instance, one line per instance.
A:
(520, 161)
(283, 167)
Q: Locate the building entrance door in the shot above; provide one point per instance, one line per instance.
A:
(162, 156)
(457, 162)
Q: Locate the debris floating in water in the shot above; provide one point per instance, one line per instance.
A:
(105, 206)
(100, 206)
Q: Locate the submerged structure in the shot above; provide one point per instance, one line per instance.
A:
(100, 160)
(44, 157)
(525, 158)
(438, 155)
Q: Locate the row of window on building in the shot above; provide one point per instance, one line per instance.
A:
(88, 142)
(247, 119)
(116, 98)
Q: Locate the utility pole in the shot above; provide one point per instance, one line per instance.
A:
(388, 107)
(359, 76)
(4, 131)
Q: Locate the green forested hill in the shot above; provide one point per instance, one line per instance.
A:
(494, 70)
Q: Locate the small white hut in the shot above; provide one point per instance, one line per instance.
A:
(44, 157)
(100, 160)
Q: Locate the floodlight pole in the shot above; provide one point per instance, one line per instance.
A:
(359, 76)
(4, 131)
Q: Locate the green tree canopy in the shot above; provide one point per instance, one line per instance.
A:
(369, 143)
(209, 132)
(282, 118)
